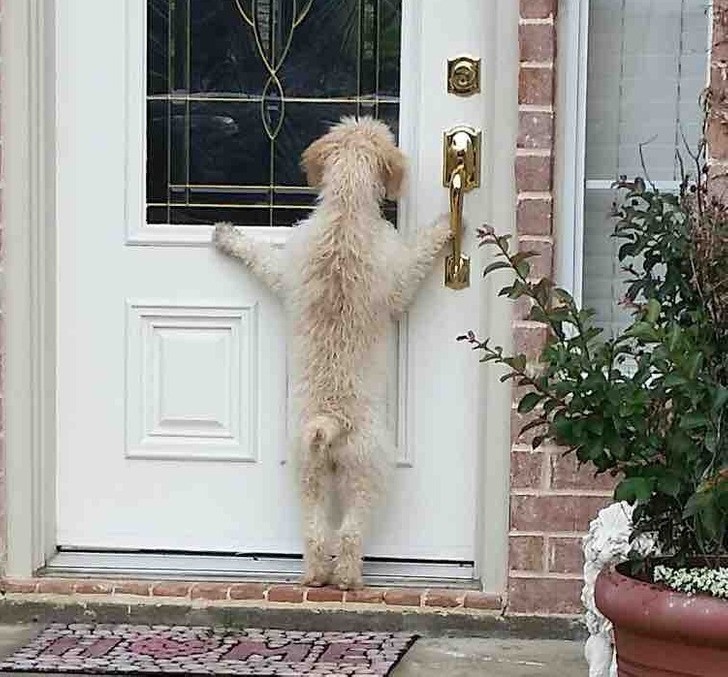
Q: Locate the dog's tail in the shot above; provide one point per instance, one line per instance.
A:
(321, 432)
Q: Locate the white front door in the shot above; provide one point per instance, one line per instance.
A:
(171, 358)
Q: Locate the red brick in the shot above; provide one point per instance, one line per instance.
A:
(534, 217)
(285, 593)
(720, 31)
(519, 391)
(248, 591)
(56, 585)
(171, 589)
(365, 595)
(535, 130)
(443, 598)
(530, 340)
(555, 513)
(536, 86)
(533, 174)
(538, 9)
(209, 591)
(537, 42)
(525, 553)
(522, 307)
(566, 474)
(327, 594)
(517, 423)
(93, 587)
(565, 555)
(482, 600)
(718, 182)
(719, 54)
(402, 597)
(139, 588)
(541, 265)
(544, 595)
(717, 135)
(526, 469)
(719, 82)
(19, 585)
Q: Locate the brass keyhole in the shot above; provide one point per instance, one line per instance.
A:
(463, 76)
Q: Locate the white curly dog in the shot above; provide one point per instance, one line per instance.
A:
(344, 274)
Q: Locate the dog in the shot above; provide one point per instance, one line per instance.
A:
(343, 275)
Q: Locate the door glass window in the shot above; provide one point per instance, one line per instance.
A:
(236, 89)
(647, 66)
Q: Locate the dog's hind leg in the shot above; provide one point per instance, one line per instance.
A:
(315, 497)
(359, 480)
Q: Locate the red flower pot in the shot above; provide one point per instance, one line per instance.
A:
(662, 633)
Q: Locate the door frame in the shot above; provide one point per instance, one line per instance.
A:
(30, 272)
(28, 115)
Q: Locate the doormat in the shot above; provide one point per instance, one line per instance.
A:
(188, 650)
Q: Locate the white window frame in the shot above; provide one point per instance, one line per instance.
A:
(571, 75)
(570, 173)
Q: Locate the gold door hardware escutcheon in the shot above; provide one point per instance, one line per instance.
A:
(463, 76)
(461, 173)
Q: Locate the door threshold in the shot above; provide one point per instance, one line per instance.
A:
(73, 563)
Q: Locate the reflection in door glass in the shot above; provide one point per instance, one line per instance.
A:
(236, 89)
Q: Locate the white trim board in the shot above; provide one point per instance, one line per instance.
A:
(571, 74)
(27, 113)
(606, 184)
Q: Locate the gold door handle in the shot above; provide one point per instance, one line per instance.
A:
(461, 163)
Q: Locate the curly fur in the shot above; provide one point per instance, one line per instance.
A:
(343, 274)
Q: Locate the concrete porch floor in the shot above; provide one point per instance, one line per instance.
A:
(437, 656)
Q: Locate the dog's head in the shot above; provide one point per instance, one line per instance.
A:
(361, 149)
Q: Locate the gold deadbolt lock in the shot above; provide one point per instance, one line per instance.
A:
(461, 173)
(463, 76)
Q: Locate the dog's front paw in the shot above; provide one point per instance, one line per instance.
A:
(223, 234)
(442, 228)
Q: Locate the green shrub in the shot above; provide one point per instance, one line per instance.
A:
(649, 405)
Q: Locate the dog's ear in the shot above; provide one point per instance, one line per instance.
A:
(313, 161)
(395, 172)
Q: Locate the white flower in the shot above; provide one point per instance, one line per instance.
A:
(698, 580)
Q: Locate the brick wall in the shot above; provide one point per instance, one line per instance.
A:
(551, 501)
(718, 123)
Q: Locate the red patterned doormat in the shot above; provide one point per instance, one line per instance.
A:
(185, 650)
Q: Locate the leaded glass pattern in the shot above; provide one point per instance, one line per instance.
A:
(236, 89)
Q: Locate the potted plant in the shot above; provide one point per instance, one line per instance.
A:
(649, 406)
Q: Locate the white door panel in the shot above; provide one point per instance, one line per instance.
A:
(172, 402)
